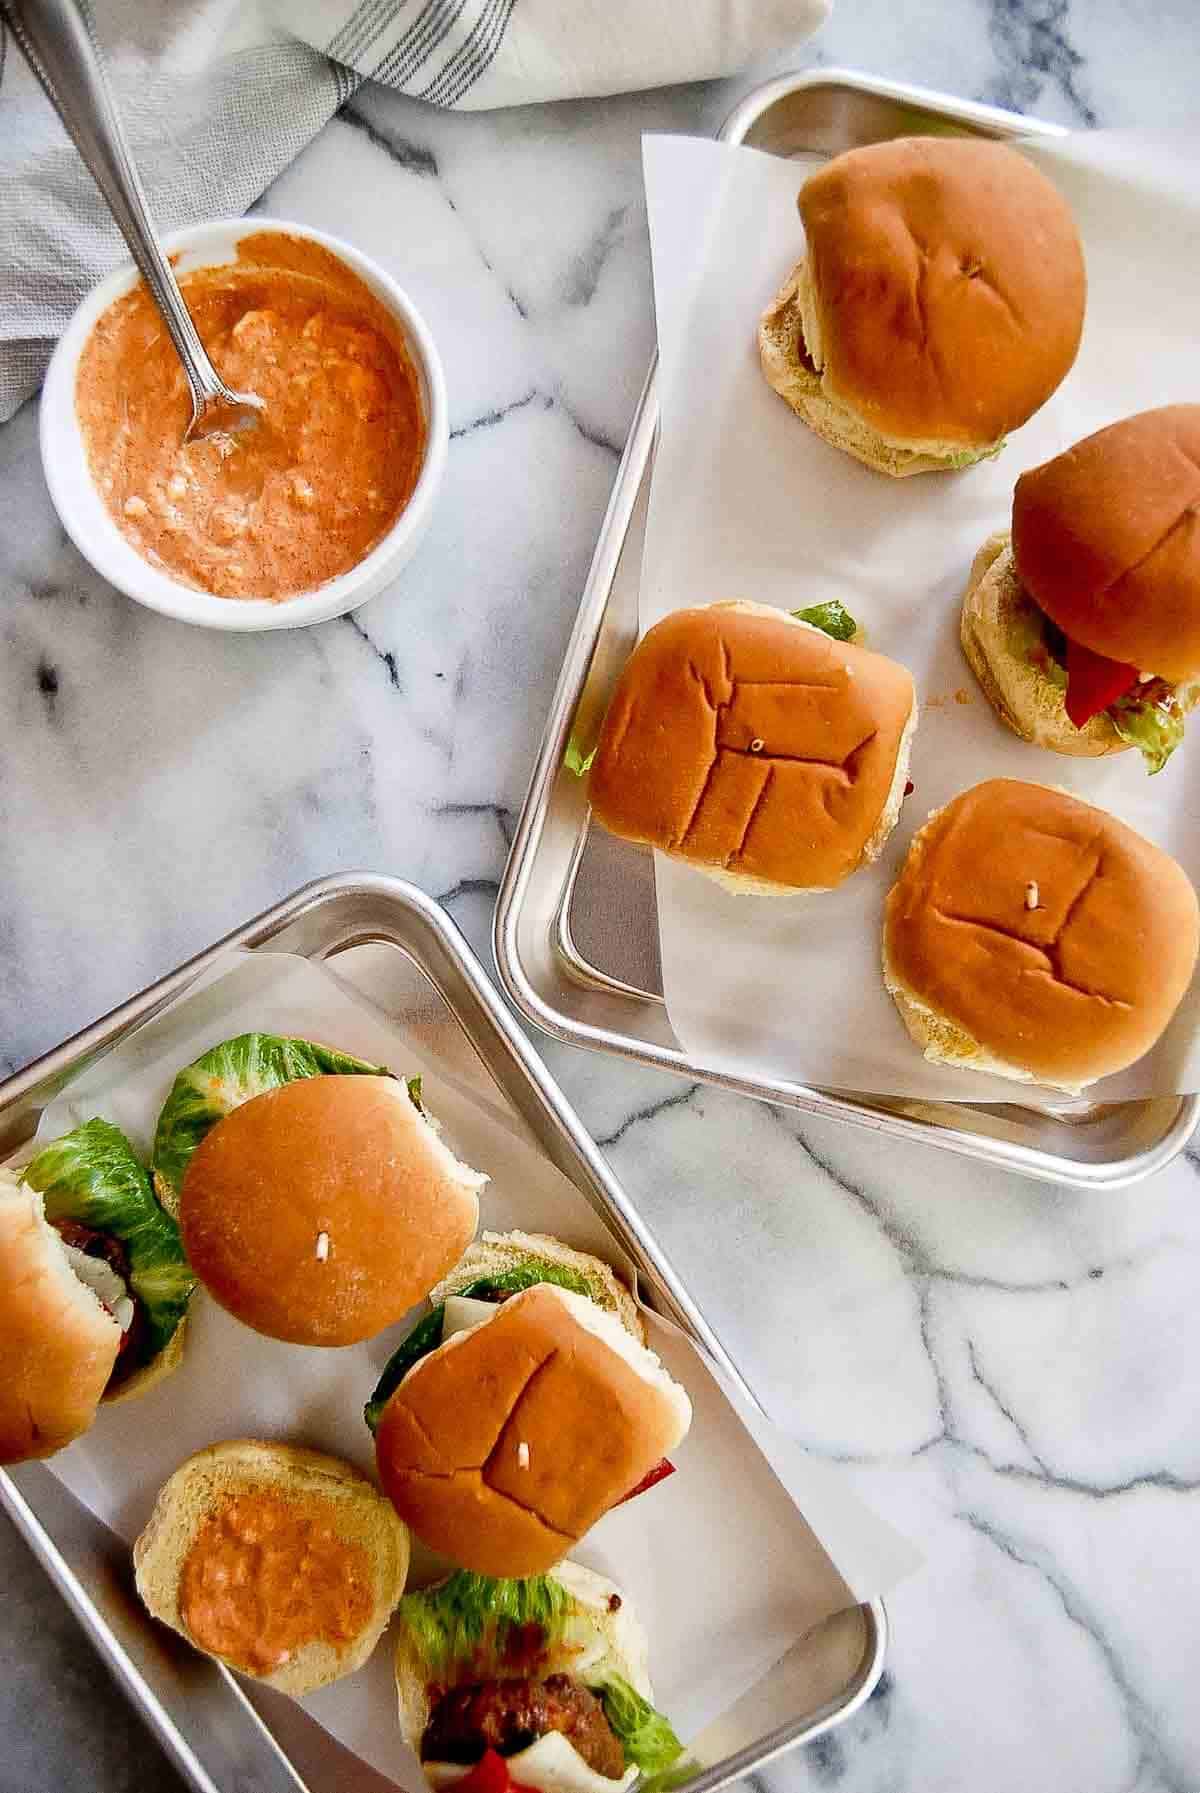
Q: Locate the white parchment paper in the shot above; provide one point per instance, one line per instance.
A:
(724, 1569)
(746, 502)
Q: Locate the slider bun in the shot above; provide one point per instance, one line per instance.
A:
(944, 295)
(337, 1493)
(494, 1253)
(58, 1343)
(550, 1371)
(1106, 538)
(1061, 994)
(676, 766)
(552, 1763)
(999, 619)
(349, 1157)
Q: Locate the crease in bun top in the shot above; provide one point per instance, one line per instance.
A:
(523, 1407)
(938, 306)
(317, 1202)
(757, 746)
(541, 1682)
(96, 1288)
(1035, 937)
(1083, 627)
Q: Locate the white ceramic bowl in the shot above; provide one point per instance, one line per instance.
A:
(85, 516)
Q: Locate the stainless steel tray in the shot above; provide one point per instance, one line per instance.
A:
(221, 1737)
(576, 927)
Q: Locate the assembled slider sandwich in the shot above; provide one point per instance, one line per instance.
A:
(757, 746)
(1035, 937)
(1083, 628)
(283, 1563)
(523, 1407)
(529, 1683)
(95, 1289)
(316, 1199)
(939, 303)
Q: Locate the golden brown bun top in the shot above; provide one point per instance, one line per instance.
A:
(1106, 539)
(57, 1344)
(737, 739)
(543, 1374)
(950, 285)
(1073, 989)
(346, 1159)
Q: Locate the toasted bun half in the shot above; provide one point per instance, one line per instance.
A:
(357, 1553)
(494, 1253)
(58, 1343)
(1038, 938)
(502, 1447)
(999, 623)
(756, 748)
(1106, 539)
(943, 297)
(604, 1628)
(323, 1210)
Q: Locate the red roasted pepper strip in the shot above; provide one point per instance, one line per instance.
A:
(1094, 682)
(489, 1775)
(662, 1469)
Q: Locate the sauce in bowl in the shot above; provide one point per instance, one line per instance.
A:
(285, 507)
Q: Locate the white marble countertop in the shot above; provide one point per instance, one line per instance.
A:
(1002, 1367)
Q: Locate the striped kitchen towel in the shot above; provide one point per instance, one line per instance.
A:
(218, 96)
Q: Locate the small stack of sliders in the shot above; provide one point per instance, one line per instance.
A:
(938, 305)
(311, 1194)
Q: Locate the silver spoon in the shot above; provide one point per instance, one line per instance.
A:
(60, 47)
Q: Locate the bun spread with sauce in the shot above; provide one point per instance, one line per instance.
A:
(283, 508)
(284, 1563)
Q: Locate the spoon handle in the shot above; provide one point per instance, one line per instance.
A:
(57, 39)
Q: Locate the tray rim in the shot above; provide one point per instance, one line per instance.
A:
(1032, 1161)
(23, 1092)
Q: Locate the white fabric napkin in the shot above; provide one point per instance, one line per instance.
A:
(218, 96)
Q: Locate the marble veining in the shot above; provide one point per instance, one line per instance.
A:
(1006, 1370)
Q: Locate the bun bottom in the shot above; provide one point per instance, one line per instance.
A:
(792, 373)
(152, 1373)
(357, 1511)
(998, 616)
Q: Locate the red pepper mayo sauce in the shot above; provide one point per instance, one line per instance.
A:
(264, 1576)
(276, 510)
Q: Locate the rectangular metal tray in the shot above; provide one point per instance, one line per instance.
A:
(576, 927)
(221, 1737)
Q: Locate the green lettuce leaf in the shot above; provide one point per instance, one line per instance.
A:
(832, 619)
(92, 1176)
(1155, 729)
(969, 457)
(427, 1336)
(467, 1617)
(575, 760)
(424, 1338)
(228, 1075)
(646, 1737)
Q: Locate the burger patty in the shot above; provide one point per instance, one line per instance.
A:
(508, 1715)
(93, 1244)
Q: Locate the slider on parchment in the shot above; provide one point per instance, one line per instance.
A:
(758, 747)
(317, 1201)
(1033, 936)
(939, 304)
